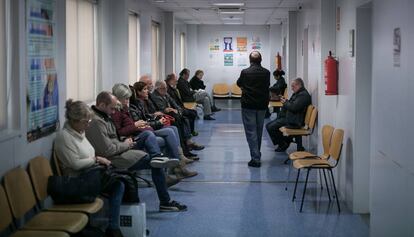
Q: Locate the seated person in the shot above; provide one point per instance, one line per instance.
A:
(172, 91)
(292, 114)
(104, 138)
(200, 97)
(196, 81)
(126, 126)
(278, 89)
(76, 154)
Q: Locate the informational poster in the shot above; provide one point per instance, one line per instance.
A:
(242, 59)
(228, 44)
(256, 44)
(228, 59)
(42, 79)
(214, 45)
(397, 47)
(241, 44)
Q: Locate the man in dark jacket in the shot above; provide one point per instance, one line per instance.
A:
(254, 83)
(292, 114)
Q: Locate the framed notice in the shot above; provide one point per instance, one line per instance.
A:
(397, 47)
(42, 80)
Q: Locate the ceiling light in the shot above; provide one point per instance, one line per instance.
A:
(232, 12)
(232, 18)
(232, 23)
(228, 4)
(159, 1)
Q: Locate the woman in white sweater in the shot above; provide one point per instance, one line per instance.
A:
(76, 154)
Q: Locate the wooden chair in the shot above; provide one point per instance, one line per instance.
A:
(40, 171)
(22, 199)
(221, 90)
(327, 131)
(236, 92)
(6, 221)
(306, 130)
(317, 163)
(190, 105)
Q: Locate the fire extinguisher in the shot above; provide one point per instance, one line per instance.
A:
(331, 75)
(278, 62)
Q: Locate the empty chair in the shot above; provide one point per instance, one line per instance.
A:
(221, 90)
(22, 200)
(40, 171)
(235, 91)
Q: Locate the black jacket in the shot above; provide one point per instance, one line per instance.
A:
(254, 83)
(175, 95)
(197, 84)
(138, 112)
(163, 102)
(279, 87)
(294, 110)
(185, 91)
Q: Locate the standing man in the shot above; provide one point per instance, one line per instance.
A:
(254, 83)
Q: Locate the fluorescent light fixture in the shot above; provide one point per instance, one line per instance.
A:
(236, 4)
(231, 18)
(233, 23)
(160, 1)
(232, 12)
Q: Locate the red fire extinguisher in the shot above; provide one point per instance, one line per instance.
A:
(278, 62)
(331, 75)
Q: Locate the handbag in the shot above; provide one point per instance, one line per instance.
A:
(112, 175)
(168, 120)
(84, 188)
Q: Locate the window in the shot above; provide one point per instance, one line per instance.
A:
(81, 44)
(133, 47)
(182, 51)
(155, 51)
(3, 66)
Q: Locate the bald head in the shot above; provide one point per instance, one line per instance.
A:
(255, 57)
(148, 81)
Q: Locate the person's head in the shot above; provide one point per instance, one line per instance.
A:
(147, 80)
(171, 79)
(199, 74)
(106, 102)
(122, 93)
(161, 87)
(278, 74)
(141, 89)
(255, 57)
(297, 84)
(78, 114)
(185, 74)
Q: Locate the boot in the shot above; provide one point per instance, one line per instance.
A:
(171, 180)
(182, 173)
(183, 157)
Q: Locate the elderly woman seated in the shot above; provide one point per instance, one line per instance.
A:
(76, 155)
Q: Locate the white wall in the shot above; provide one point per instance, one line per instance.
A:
(216, 72)
(392, 163)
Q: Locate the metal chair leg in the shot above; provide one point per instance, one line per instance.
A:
(287, 179)
(296, 185)
(336, 194)
(327, 186)
(304, 189)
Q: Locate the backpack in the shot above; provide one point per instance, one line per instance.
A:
(131, 185)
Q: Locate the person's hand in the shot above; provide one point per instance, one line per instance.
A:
(129, 142)
(283, 99)
(103, 161)
(158, 113)
(140, 124)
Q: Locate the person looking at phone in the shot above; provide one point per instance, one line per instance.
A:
(292, 114)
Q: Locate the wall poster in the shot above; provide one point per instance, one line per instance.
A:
(241, 44)
(42, 79)
(228, 59)
(256, 44)
(228, 44)
(214, 45)
(242, 59)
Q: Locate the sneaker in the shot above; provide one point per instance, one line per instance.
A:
(172, 206)
(192, 156)
(164, 162)
(171, 181)
(254, 163)
(208, 117)
(215, 109)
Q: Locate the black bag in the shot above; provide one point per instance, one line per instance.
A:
(131, 185)
(76, 189)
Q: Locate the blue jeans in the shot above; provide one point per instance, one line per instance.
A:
(158, 177)
(148, 141)
(116, 192)
(171, 138)
(253, 121)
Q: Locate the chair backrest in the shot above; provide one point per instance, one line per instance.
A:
(6, 217)
(327, 131)
(308, 115)
(19, 192)
(312, 119)
(221, 89)
(336, 144)
(285, 94)
(56, 163)
(235, 89)
(40, 171)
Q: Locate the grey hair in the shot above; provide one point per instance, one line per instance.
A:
(77, 110)
(158, 84)
(121, 91)
(300, 82)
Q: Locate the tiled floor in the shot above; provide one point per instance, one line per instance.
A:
(229, 199)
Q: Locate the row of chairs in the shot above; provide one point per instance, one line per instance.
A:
(223, 90)
(25, 192)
